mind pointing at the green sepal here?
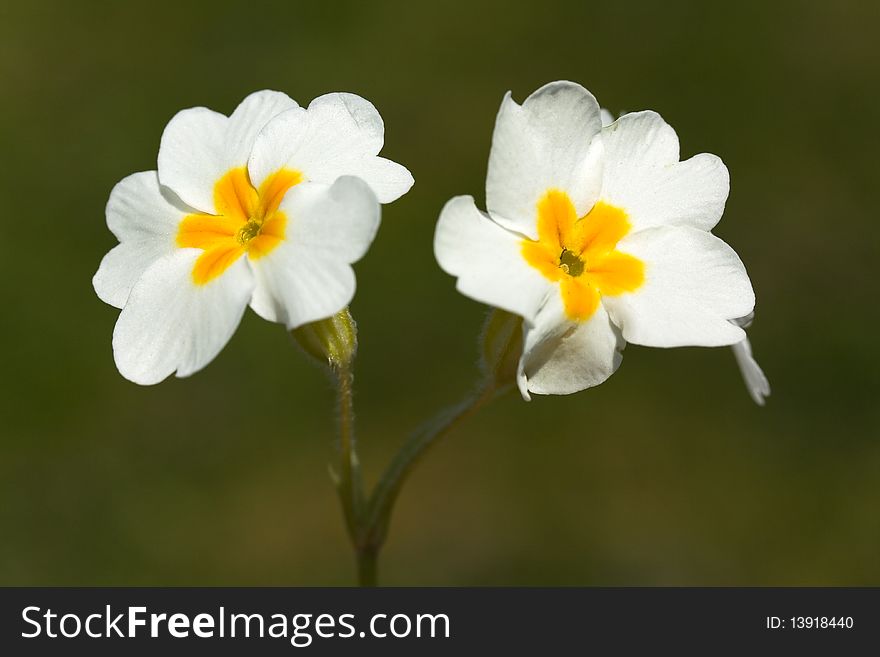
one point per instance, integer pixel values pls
(331, 341)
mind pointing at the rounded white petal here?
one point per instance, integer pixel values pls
(309, 276)
(487, 260)
(546, 143)
(694, 284)
(191, 155)
(388, 180)
(606, 116)
(171, 324)
(144, 218)
(561, 357)
(358, 121)
(644, 177)
(199, 145)
(121, 268)
(338, 134)
(251, 116)
(639, 139)
(277, 145)
(752, 374)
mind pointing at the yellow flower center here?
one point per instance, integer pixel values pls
(580, 253)
(247, 221)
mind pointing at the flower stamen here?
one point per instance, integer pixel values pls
(570, 263)
(248, 231)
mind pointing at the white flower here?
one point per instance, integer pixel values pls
(595, 236)
(267, 207)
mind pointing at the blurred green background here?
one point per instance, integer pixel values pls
(665, 475)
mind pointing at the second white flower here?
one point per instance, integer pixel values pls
(595, 236)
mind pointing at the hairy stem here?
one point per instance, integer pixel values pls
(333, 341)
(349, 479)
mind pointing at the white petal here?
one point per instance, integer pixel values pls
(278, 144)
(171, 324)
(644, 177)
(121, 268)
(561, 357)
(389, 180)
(639, 139)
(199, 145)
(251, 116)
(548, 142)
(191, 155)
(144, 218)
(752, 374)
(309, 276)
(339, 134)
(694, 283)
(606, 116)
(487, 260)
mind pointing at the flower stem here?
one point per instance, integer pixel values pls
(333, 341)
(351, 488)
(366, 563)
(349, 478)
(381, 504)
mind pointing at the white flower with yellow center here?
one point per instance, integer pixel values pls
(267, 207)
(595, 236)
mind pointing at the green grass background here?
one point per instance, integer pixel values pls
(665, 475)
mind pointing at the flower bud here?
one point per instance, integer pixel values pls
(502, 345)
(332, 341)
